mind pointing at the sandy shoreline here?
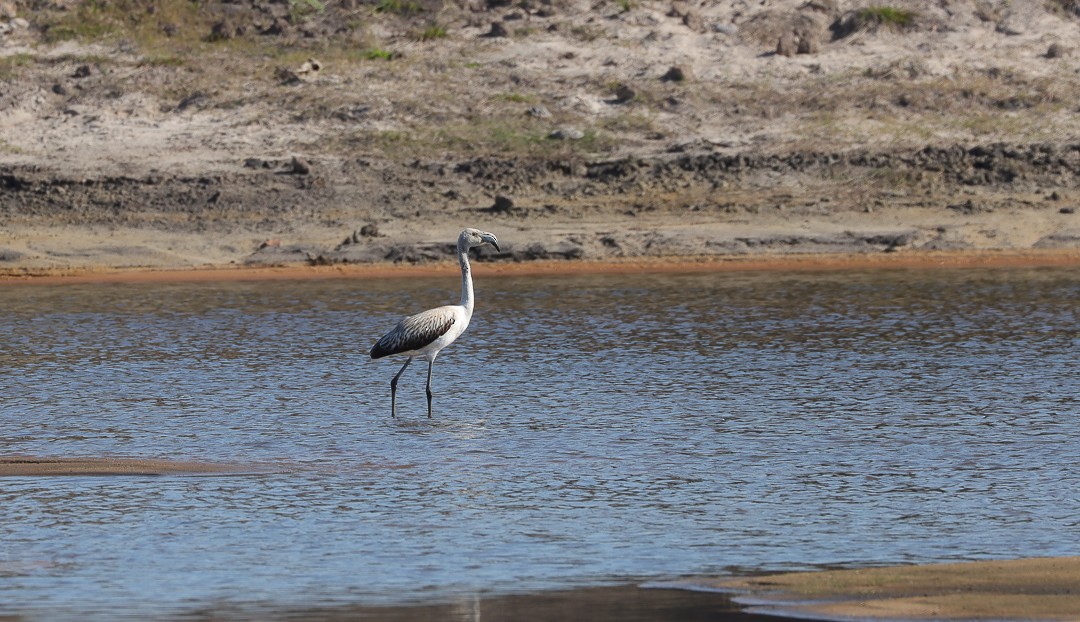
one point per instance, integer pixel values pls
(811, 262)
(1023, 589)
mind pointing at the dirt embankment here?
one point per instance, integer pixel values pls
(247, 134)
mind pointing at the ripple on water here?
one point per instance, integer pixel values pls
(586, 429)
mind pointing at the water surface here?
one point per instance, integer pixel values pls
(588, 430)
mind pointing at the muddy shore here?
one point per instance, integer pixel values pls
(646, 210)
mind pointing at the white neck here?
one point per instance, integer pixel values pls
(466, 276)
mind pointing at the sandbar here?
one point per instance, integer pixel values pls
(31, 466)
(1045, 588)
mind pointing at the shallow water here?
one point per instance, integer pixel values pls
(588, 430)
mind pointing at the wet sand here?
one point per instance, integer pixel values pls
(810, 262)
(621, 603)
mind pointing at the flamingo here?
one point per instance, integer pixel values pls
(428, 332)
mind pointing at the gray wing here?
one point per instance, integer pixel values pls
(413, 333)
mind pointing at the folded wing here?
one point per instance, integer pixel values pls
(414, 332)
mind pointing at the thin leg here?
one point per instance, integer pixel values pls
(430, 364)
(393, 388)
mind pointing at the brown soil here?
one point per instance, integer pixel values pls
(180, 135)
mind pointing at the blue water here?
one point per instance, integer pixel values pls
(588, 430)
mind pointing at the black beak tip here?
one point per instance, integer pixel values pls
(496, 245)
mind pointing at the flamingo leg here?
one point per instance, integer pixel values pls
(430, 364)
(393, 388)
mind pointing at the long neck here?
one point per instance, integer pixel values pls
(466, 277)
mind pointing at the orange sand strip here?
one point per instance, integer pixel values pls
(966, 259)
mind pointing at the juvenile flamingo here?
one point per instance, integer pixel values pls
(428, 332)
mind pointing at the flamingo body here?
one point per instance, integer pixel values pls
(425, 334)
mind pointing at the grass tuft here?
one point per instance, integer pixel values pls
(398, 7)
(432, 32)
(888, 16)
(9, 65)
(378, 54)
(302, 9)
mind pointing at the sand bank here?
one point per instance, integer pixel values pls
(1024, 589)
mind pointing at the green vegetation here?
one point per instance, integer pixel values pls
(183, 33)
(496, 136)
(9, 65)
(586, 33)
(378, 54)
(628, 123)
(89, 21)
(432, 31)
(139, 21)
(164, 60)
(510, 137)
(299, 9)
(6, 147)
(398, 7)
(888, 16)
